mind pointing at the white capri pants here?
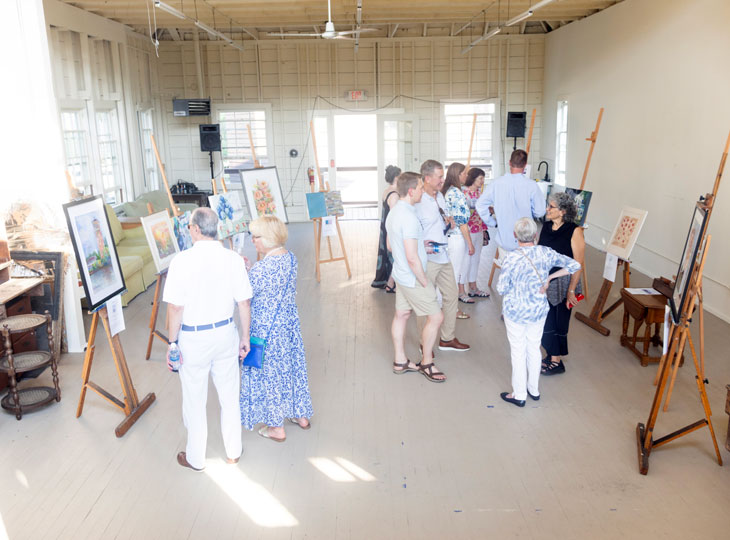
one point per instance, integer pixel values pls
(213, 351)
(471, 262)
(524, 342)
(457, 253)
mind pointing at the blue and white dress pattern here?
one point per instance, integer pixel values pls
(457, 206)
(519, 283)
(280, 389)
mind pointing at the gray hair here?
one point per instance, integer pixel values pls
(565, 203)
(206, 220)
(525, 230)
(429, 167)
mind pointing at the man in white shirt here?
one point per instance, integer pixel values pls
(414, 291)
(435, 223)
(203, 284)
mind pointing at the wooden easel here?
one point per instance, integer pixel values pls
(597, 313)
(529, 135)
(471, 141)
(131, 406)
(324, 187)
(256, 163)
(679, 334)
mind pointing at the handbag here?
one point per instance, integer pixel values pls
(485, 239)
(257, 353)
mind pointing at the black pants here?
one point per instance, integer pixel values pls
(555, 332)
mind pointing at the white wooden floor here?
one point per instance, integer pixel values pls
(388, 456)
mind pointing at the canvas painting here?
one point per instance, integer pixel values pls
(316, 205)
(161, 239)
(582, 199)
(263, 193)
(231, 217)
(180, 226)
(333, 200)
(687, 262)
(96, 254)
(626, 232)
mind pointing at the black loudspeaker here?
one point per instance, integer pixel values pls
(210, 137)
(516, 124)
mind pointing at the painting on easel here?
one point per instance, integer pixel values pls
(333, 201)
(686, 263)
(180, 226)
(96, 254)
(263, 193)
(582, 199)
(231, 218)
(161, 239)
(626, 232)
(316, 205)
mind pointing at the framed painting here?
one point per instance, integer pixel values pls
(626, 232)
(96, 254)
(161, 239)
(231, 217)
(180, 226)
(333, 201)
(687, 262)
(316, 205)
(582, 199)
(263, 193)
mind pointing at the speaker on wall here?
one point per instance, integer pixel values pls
(516, 124)
(210, 137)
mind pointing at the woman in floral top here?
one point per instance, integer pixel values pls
(473, 189)
(460, 244)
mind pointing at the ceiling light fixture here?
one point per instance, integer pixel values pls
(212, 31)
(519, 18)
(540, 4)
(493, 32)
(169, 9)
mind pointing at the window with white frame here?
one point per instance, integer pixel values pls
(75, 128)
(151, 175)
(459, 119)
(561, 142)
(235, 144)
(107, 135)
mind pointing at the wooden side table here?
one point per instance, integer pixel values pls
(648, 310)
(27, 399)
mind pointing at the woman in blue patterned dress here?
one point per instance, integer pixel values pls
(279, 391)
(523, 283)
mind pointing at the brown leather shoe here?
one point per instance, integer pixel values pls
(183, 460)
(453, 345)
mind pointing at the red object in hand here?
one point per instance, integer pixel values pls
(578, 298)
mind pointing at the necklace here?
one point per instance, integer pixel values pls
(272, 251)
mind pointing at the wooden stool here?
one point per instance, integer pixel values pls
(645, 309)
(495, 265)
(19, 401)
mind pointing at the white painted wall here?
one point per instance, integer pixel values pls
(289, 75)
(660, 69)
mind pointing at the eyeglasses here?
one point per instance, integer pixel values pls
(255, 236)
(552, 206)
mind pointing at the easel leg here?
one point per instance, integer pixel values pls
(130, 396)
(153, 316)
(494, 267)
(317, 240)
(342, 246)
(88, 359)
(675, 365)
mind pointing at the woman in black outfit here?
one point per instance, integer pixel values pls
(561, 234)
(383, 280)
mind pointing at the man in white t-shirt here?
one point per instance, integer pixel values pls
(414, 292)
(203, 285)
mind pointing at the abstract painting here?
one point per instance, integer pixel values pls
(689, 258)
(180, 226)
(231, 217)
(96, 254)
(582, 199)
(316, 206)
(333, 200)
(626, 232)
(161, 239)
(263, 193)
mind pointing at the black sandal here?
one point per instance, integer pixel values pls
(555, 368)
(431, 372)
(389, 289)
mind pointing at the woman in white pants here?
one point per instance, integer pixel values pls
(472, 189)
(460, 242)
(523, 283)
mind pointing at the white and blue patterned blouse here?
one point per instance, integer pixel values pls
(519, 282)
(457, 207)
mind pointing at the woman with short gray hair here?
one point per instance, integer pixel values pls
(561, 233)
(525, 276)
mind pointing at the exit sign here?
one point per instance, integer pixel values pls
(356, 95)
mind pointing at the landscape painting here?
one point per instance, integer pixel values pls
(161, 239)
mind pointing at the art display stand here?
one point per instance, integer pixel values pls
(132, 407)
(324, 187)
(529, 135)
(154, 333)
(678, 335)
(598, 313)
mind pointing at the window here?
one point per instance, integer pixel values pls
(458, 119)
(151, 178)
(235, 145)
(75, 140)
(107, 134)
(561, 142)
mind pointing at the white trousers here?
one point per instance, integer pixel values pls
(457, 249)
(524, 342)
(213, 351)
(471, 262)
(491, 250)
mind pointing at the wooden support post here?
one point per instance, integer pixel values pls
(471, 141)
(153, 317)
(175, 211)
(593, 138)
(597, 313)
(529, 136)
(253, 148)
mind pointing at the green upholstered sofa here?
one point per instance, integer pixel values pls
(135, 257)
(159, 201)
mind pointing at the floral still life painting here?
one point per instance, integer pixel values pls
(626, 232)
(231, 217)
(263, 193)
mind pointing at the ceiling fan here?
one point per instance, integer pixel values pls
(329, 30)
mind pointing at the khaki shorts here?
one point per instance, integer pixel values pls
(422, 300)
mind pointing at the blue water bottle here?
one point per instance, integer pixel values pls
(175, 357)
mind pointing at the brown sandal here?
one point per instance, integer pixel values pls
(430, 372)
(399, 369)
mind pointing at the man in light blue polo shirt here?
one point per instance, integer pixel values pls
(414, 291)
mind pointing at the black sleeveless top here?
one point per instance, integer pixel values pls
(558, 240)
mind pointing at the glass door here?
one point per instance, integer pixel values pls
(398, 144)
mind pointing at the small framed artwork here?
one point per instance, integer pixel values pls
(263, 193)
(231, 217)
(96, 254)
(582, 199)
(161, 239)
(626, 232)
(687, 262)
(180, 226)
